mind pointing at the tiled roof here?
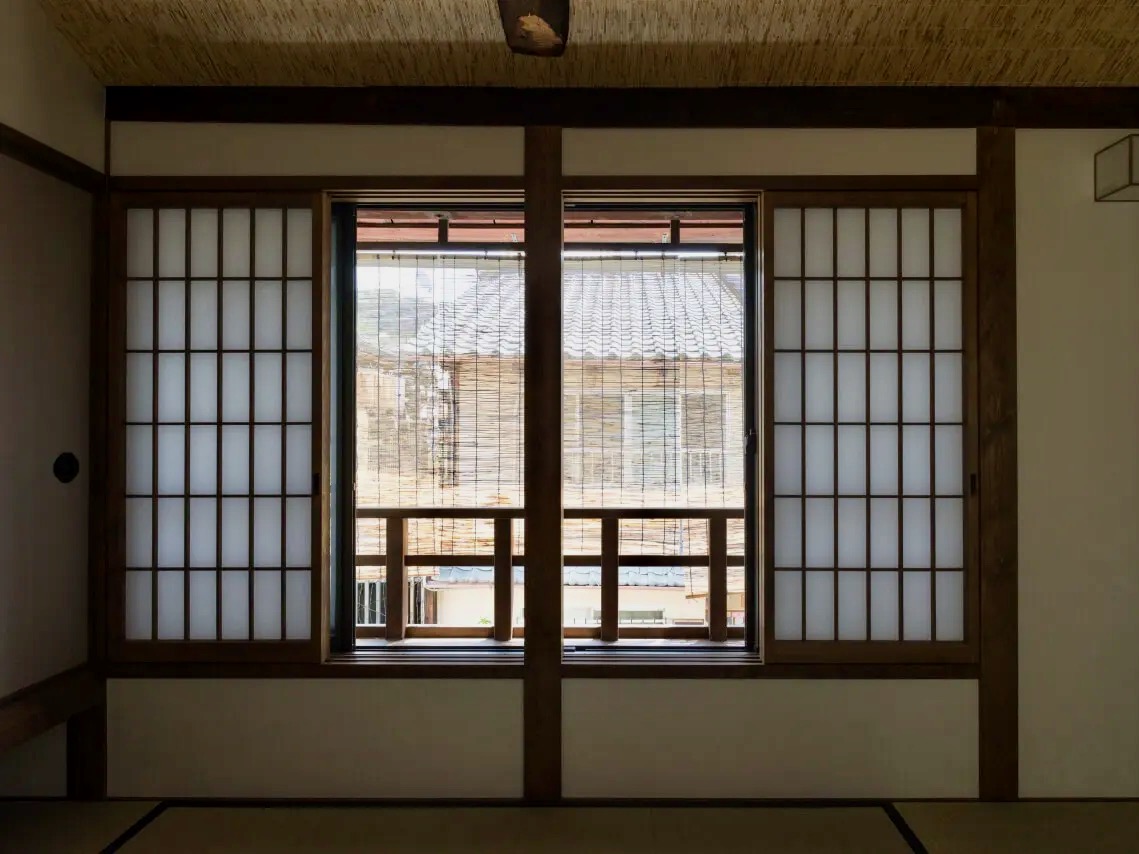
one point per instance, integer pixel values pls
(676, 310)
(575, 576)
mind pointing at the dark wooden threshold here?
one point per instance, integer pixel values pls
(738, 107)
(40, 707)
(32, 152)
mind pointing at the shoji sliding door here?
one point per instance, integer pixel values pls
(870, 350)
(218, 407)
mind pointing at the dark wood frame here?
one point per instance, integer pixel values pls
(119, 649)
(899, 651)
(741, 107)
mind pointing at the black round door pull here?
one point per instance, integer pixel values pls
(66, 467)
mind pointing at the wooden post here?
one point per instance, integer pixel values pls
(503, 579)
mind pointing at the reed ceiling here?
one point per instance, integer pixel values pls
(612, 42)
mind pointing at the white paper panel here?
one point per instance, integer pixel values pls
(820, 460)
(235, 247)
(171, 460)
(883, 387)
(171, 243)
(948, 401)
(852, 532)
(950, 520)
(140, 460)
(788, 532)
(267, 532)
(270, 243)
(915, 387)
(203, 387)
(203, 606)
(883, 315)
(818, 226)
(171, 315)
(299, 323)
(298, 532)
(203, 315)
(266, 605)
(851, 242)
(788, 606)
(140, 243)
(171, 532)
(915, 315)
(852, 460)
(883, 242)
(788, 247)
(787, 318)
(788, 462)
(820, 532)
(298, 460)
(171, 387)
(267, 387)
(851, 315)
(235, 605)
(235, 460)
(883, 606)
(235, 532)
(299, 238)
(140, 387)
(298, 406)
(298, 605)
(947, 315)
(915, 461)
(235, 315)
(916, 543)
(140, 315)
(138, 613)
(820, 387)
(883, 460)
(820, 606)
(267, 458)
(851, 387)
(950, 606)
(947, 243)
(235, 387)
(852, 606)
(171, 605)
(949, 460)
(915, 242)
(203, 532)
(917, 608)
(268, 305)
(883, 532)
(788, 390)
(204, 243)
(203, 460)
(138, 532)
(819, 305)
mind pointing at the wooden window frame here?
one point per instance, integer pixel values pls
(900, 651)
(154, 651)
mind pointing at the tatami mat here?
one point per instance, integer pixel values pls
(65, 827)
(1040, 828)
(508, 830)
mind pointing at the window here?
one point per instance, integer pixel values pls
(872, 438)
(858, 519)
(217, 408)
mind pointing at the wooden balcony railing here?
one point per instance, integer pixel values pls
(396, 561)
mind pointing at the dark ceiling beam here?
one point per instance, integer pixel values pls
(808, 106)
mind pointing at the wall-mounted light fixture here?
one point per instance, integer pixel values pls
(1117, 171)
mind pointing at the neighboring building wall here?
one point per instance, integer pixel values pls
(465, 606)
(1078, 454)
